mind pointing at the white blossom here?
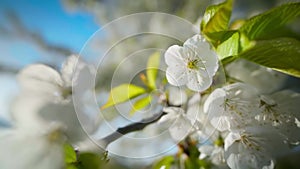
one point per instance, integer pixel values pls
(179, 125)
(41, 85)
(46, 82)
(194, 64)
(232, 106)
(214, 153)
(35, 148)
(254, 147)
(281, 110)
(44, 117)
(204, 130)
(176, 96)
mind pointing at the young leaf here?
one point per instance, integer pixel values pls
(71, 166)
(152, 67)
(165, 162)
(229, 47)
(70, 154)
(281, 54)
(216, 18)
(90, 161)
(123, 93)
(140, 104)
(262, 24)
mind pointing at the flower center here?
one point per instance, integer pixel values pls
(193, 64)
(66, 92)
(249, 142)
(55, 136)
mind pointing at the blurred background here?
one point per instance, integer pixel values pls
(34, 31)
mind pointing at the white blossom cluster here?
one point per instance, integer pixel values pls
(44, 119)
(245, 124)
(239, 125)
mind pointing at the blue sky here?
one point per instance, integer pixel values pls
(53, 22)
(47, 18)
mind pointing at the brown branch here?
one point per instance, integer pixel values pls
(131, 128)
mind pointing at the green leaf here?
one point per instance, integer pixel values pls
(123, 93)
(89, 161)
(191, 163)
(71, 166)
(165, 162)
(245, 43)
(152, 67)
(262, 24)
(230, 47)
(140, 104)
(281, 54)
(216, 18)
(70, 154)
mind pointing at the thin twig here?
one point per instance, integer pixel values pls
(131, 128)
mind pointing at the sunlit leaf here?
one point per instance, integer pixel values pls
(70, 154)
(71, 166)
(216, 18)
(230, 47)
(262, 24)
(140, 104)
(152, 68)
(90, 161)
(123, 93)
(165, 162)
(282, 54)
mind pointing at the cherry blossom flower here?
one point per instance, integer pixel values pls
(232, 106)
(254, 147)
(281, 111)
(44, 117)
(36, 148)
(45, 82)
(204, 130)
(214, 153)
(179, 125)
(194, 64)
(41, 85)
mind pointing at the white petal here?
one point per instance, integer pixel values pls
(288, 101)
(230, 139)
(203, 50)
(221, 123)
(65, 115)
(24, 149)
(40, 79)
(198, 81)
(176, 75)
(206, 149)
(214, 102)
(174, 56)
(172, 113)
(68, 69)
(180, 128)
(25, 109)
(177, 96)
(217, 156)
(194, 112)
(194, 40)
(247, 159)
(214, 107)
